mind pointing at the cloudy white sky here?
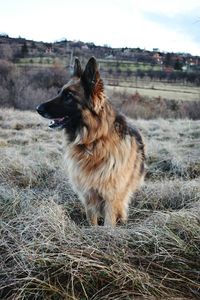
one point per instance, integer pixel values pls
(170, 25)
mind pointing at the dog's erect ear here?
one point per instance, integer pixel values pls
(91, 78)
(77, 68)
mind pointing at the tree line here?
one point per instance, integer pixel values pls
(186, 78)
(24, 88)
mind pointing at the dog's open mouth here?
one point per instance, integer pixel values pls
(58, 123)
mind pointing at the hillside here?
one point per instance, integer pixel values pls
(48, 251)
(124, 62)
(141, 83)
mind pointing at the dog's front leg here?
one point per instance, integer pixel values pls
(91, 217)
(110, 214)
(115, 211)
(91, 207)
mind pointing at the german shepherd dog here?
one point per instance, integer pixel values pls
(103, 151)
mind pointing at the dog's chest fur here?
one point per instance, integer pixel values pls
(106, 166)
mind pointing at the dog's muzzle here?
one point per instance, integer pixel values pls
(55, 122)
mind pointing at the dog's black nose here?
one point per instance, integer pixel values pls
(40, 109)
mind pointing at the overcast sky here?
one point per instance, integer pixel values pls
(170, 25)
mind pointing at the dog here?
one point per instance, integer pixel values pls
(103, 151)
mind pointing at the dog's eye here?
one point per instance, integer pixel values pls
(69, 97)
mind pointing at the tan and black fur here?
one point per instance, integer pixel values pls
(104, 153)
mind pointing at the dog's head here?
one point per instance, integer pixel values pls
(84, 92)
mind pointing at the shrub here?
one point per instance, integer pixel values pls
(25, 88)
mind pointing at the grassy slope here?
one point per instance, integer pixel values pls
(48, 251)
(152, 89)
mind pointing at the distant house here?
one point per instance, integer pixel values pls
(158, 57)
(48, 50)
(168, 69)
(84, 47)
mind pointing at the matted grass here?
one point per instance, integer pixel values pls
(48, 250)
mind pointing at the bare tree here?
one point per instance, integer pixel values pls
(6, 52)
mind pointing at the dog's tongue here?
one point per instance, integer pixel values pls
(56, 123)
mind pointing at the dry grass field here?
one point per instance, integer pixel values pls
(152, 89)
(47, 249)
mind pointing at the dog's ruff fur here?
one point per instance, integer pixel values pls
(103, 152)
